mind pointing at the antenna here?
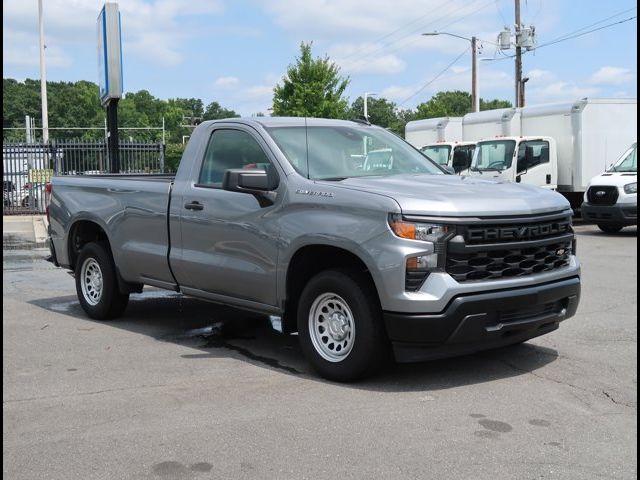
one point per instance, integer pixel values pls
(306, 140)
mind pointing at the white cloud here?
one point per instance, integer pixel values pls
(150, 28)
(397, 93)
(22, 50)
(258, 91)
(612, 76)
(561, 90)
(326, 19)
(226, 82)
(383, 64)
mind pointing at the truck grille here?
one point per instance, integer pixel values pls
(602, 195)
(493, 250)
(496, 264)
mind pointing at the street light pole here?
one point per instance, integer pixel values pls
(366, 109)
(475, 98)
(43, 78)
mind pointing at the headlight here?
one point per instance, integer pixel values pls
(631, 188)
(428, 232)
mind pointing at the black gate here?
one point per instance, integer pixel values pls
(27, 167)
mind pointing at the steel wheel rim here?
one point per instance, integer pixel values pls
(91, 281)
(332, 327)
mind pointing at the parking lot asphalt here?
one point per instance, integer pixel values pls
(184, 389)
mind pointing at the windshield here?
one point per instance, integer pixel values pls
(339, 152)
(437, 153)
(628, 162)
(493, 155)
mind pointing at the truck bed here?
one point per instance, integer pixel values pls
(133, 209)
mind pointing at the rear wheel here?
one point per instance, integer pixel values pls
(610, 228)
(340, 326)
(97, 284)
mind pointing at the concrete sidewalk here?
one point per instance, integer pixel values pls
(20, 231)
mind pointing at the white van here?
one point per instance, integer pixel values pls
(611, 200)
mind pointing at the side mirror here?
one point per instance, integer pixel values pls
(249, 181)
(519, 179)
(448, 170)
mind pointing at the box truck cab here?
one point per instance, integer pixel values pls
(611, 200)
(532, 160)
(457, 155)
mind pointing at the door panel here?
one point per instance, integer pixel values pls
(228, 245)
(534, 165)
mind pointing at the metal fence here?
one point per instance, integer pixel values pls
(27, 167)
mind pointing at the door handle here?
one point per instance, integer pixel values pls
(194, 206)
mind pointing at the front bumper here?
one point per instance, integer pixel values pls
(482, 321)
(619, 214)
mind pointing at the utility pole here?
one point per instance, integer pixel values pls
(518, 57)
(43, 78)
(475, 99)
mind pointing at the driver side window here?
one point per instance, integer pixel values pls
(230, 149)
(532, 154)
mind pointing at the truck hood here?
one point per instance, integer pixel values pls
(614, 179)
(453, 195)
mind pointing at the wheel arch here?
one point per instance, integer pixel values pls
(309, 260)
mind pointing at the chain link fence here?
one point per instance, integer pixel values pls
(27, 167)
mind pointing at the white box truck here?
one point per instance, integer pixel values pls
(491, 123)
(432, 130)
(559, 146)
(440, 139)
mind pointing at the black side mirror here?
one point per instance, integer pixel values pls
(448, 170)
(249, 181)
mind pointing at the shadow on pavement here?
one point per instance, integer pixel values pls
(216, 331)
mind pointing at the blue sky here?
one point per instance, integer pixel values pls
(234, 52)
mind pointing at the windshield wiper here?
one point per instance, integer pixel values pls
(333, 179)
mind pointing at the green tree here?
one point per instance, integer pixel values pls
(311, 88)
(381, 111)
(445, 104)
(454, 104)
(215, 111)
(494, 104)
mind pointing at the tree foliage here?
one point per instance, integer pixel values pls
(311, 88)
(454, 104)
(76, 104)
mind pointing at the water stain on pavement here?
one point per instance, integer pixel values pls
(215, 337)
(537, 422)
(173, 469)
(495, 425)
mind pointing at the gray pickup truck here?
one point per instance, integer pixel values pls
(352, 237)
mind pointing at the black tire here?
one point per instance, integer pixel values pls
(110, 303)
(610, 228)
(369, 350)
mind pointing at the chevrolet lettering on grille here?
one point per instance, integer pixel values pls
(526, 232)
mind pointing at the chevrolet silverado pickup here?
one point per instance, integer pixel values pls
(361, 255)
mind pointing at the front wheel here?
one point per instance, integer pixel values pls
(340, 326)
(610, 228)
(97, 284)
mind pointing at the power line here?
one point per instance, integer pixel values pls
(436, 77)
(571, 37)
(553, 42)
(594, 24)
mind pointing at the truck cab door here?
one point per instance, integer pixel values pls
(228, 246)
(537, 163)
